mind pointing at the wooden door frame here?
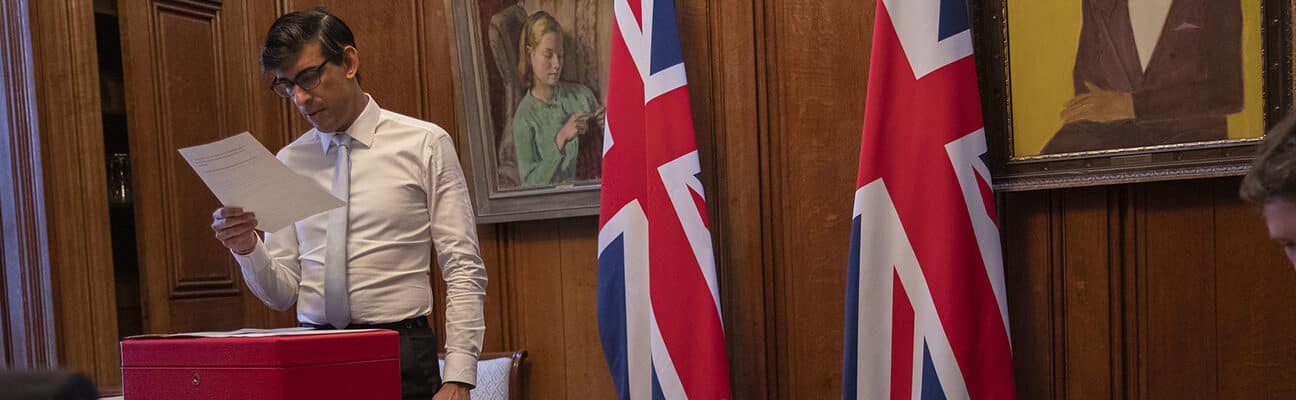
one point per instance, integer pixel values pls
(28, 323)
(59, 304)
(76, 199)
(59, 287)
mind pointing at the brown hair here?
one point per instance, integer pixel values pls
(535, 27)
(1273, 174)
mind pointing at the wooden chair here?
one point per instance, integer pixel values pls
(499, 375)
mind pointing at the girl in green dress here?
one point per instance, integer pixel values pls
(554, 115)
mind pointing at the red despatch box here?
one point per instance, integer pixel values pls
(344, 365)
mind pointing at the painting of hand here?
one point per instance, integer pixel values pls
(1099, 105)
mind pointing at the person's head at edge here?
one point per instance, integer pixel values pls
(541, 48)
(313, 60)
(1271, 184)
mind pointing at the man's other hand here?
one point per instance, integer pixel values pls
(452, 391)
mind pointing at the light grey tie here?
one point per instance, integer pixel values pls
(337, 298)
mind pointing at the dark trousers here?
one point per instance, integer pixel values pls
(420, 374)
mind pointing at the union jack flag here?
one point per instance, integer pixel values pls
(658, 304)
(926, 316)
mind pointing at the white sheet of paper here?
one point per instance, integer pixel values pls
(242, 173)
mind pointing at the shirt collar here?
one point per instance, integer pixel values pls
(557, 93)
(362, 130)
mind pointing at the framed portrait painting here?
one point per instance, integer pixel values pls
(1091, 92)
(530, 80)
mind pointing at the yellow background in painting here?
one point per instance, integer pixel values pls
(1043, 36)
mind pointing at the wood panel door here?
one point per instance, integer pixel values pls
(190, 78)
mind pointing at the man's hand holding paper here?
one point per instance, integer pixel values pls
(257, 190)
(235, 228)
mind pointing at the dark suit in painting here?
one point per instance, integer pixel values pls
(1193, 80)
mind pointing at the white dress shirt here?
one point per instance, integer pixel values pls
(1148, 18)
(408, 197)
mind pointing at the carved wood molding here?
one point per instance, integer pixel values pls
(72, 151)
(183, 281)
(731, 149)
(29, 313)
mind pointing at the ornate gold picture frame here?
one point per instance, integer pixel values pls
(1094, 92)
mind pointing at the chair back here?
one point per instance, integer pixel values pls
(498, 375)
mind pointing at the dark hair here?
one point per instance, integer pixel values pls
(1273, 174)
(293, 30)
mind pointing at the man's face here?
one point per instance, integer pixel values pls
(327, 104)
(1280, 217)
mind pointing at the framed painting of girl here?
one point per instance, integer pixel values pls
(530, 77)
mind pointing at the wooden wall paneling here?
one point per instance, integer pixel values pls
(387, 36)
(694, 26)
(1125, 291)
(269, 113)
(1150, 306)
(770, 186)
(186, 81)
(535, 263)
(1028, 223)
(719, 53)
(1177, 288)
(734, 193)
(270, 116)
(1085, 294)
(27, 330)
(511, 301)
(66, 71)
(763, 50)
(438, 82)
(813, 73)
(1117, 256)
(1056, 304)
(497, 293)
(288, 116)
(1254, 286)
(1132, 333)
(587, 375)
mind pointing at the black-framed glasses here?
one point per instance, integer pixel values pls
(306, 80)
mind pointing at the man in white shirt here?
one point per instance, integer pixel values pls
(365, 265)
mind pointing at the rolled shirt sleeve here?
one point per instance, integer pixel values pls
(271, 270)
